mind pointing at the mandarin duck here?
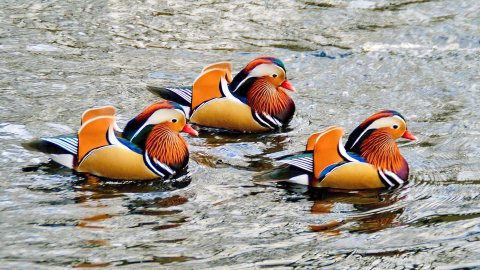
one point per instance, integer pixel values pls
(370, 158)
(255, 100)
(149, 147)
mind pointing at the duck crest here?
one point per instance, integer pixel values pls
(380, 150)
(264, 60)
(145, 114)
(166, 146)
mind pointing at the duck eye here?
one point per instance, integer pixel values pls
(174, 120)
(395, 126)
(274, 75)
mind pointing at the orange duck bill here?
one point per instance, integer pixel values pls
(189, 130)
(409, 136)
(288, 86)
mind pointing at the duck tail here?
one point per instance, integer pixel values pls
(283, 173)
(180, 95)
(61, 149)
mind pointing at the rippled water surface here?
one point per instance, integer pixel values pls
(348, 59)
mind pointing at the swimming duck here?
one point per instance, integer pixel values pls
(369, 159)
(255, 100)
(149, 147)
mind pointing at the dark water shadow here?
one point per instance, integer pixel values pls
(161, 260)
(396, 6)
(48, 168)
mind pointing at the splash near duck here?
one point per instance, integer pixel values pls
(149, 147)
(255, 100)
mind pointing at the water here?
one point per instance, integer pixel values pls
(348, 59)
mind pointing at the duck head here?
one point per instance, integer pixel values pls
(374, 139)
(166, 113)
(156, 130)
(270, 69)
(264, 84)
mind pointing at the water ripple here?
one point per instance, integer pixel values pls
(348, 59)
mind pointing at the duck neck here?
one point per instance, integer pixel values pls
(167, 146)
(380, 150)
(266, 98)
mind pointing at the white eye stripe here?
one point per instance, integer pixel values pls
(382, 122)
(260, 71)
(159, 116)
(264, 69)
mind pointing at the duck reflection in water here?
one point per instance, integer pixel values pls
(96, 192)
(147, 198)
(143, 200)
(372, 210)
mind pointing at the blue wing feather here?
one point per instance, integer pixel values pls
(135, 148)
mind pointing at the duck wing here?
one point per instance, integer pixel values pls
(326, 150)
(227, 66)
(101, 111)
(206, 82)
(211, 84)
(95, 133)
